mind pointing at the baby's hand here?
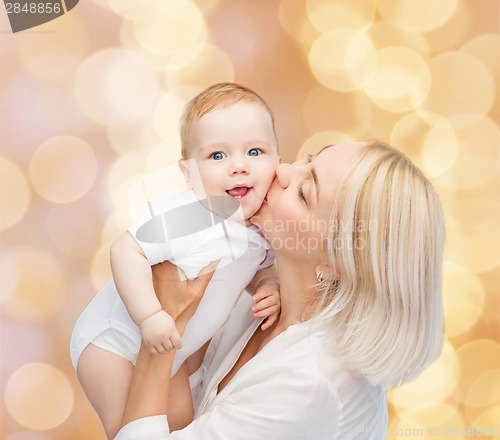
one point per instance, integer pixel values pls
(159, 333)
(267, 303)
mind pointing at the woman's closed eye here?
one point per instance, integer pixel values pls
(300, 193)
(300, 188)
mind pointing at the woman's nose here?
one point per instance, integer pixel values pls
(283, 172)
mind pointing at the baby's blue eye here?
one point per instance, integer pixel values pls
(254, 152)
(218, 155)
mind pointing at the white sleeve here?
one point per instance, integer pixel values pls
(269, 260)
(291, 406)
(154, 252)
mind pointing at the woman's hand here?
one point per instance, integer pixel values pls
(149, 390)
(178, 296)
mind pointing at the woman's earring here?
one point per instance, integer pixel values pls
(319, 276)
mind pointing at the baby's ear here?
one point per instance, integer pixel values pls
(185, 170)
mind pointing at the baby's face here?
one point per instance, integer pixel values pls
(234, 150)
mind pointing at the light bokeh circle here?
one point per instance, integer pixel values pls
(124, 172)
(482, 47)
(477, 358)
(384, 34)
(133, 107)
(428, 139)
(485, 390)
(421, 16)
(326, 110)
(435, 384)
(168, 112)
(74, 228)
(421, 421)
(488, 418)
(8, 269)
(15, 194)
(205, 67)
(440, 147)
(39, 284)
(452, 74)
(129, 42)
(109, 75)
(100, 270)
(63, 169)
(172, 29)
(473, 233)
(39, 396)
(295, 23)
(141, 11)
(478, 153)
(463, 299)
(54, 58)
(343, 59)
(330, 14)
(402, 80)
(162, 155)
(451, 34)
(110, 231)
(35, 340)
(131, 126)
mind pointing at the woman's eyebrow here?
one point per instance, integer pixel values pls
(313, 171)
(324, 148)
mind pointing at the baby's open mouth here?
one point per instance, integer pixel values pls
(238, 192)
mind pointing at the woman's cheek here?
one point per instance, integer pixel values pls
(289, 210)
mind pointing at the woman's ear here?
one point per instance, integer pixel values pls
(185, 171)
(324, 271)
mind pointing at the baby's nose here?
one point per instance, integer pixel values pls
(238, 165)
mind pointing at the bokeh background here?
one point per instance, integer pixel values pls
(90, 103)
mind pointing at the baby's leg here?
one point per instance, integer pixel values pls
(105, 378)
(180, 403)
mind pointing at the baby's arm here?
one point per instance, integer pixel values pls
(265, 291)
(133, 279)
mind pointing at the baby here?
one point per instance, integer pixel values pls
(229, 157)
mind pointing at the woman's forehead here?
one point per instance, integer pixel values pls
(330, 164)
(338, 155)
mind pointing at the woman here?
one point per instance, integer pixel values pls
(358, 233)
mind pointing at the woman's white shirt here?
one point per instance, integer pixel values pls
(296, 387)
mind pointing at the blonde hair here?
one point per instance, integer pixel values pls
(220, 95)
(385, 243)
